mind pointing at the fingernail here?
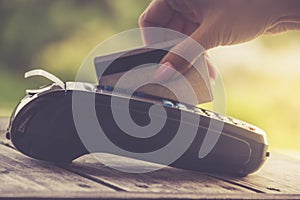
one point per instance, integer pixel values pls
(211, 69)
(212, 73)
(164, 73)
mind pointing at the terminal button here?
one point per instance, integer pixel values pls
(167, 103)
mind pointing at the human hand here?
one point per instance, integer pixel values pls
(215, 23)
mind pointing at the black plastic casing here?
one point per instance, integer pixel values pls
(42, 127)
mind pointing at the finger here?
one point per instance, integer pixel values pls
(211, 69)
(283, 27)
(181, 24)
(184, 53)
(158, 14)
(177, 22)
(165, 72)
(178, 59)
(189, 28)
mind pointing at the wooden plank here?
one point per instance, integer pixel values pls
(3, 123)
(280, 175)
(164, 180)
(293, 154)
(3, 127)
(22, 174)
(139, 195)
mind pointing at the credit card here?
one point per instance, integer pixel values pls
(132, 71)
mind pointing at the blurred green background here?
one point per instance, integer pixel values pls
(261, 77)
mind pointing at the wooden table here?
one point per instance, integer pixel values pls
(24, 178)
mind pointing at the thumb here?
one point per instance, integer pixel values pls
(181, 57)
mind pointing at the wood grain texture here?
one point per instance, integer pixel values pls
(139, 195)
(279, 175)
(4, 121)
(19, 173)
(165, 180)
(3, 124)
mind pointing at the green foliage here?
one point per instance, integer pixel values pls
(269, 102)
(35, 32)
(55, 35)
